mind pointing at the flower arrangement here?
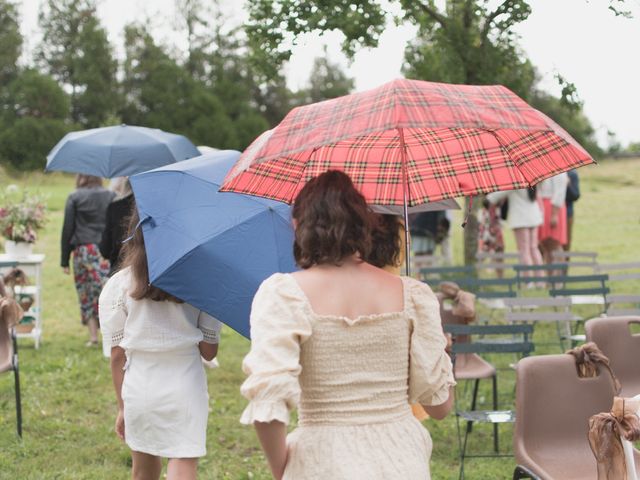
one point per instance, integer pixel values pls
(21, 216)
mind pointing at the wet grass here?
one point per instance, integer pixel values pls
(68, 402)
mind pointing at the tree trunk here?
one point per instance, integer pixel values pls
(471, 231)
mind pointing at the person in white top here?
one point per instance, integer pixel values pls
(349, 344)
(524, 218)
(156, 343)
(553, 232)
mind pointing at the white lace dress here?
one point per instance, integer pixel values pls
(352, 381)
(165, 388)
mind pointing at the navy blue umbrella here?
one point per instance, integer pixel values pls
(211, 249)
(118, 151)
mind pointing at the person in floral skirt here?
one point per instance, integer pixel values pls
(490, 238)
(84, 220)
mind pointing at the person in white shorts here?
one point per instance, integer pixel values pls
(156, 343)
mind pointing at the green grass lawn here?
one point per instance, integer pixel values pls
(69, 406)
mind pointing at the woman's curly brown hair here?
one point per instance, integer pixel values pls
(333, 221)
(386, 242)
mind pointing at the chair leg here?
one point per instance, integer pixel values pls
(474, 400)
(520, 473)
(561, 335)
(463, 454)
(16, 374)
(496, 444)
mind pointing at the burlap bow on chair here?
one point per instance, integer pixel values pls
(588, 357)
(10, 312)
(606, 429)
(463, 302)
(605, 433)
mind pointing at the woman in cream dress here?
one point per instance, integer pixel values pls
(350, 345)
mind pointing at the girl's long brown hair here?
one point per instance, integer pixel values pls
(134, 255)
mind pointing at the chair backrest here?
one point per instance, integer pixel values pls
(583, 260)
(489, 287)
(546, 269)
(10, 314)
(553, 406)
(623, 305)
(497, 256)
(613, 336)
(453, 273)
(487, 345)
(538, 309)
(620, 271)
(574, 285)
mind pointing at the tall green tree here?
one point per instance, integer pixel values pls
(76, 51)
(160, 93)
(35, 116)
(458, 41)
(11, 41)
(469, 43)
(327, 80)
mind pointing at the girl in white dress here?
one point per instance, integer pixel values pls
(350, 345)
(156, 344)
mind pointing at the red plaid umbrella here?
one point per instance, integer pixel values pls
(410, 141)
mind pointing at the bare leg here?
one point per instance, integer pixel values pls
(145, 466)
(182, 469)
(522, 240)
(93, 330)
(547, 246)
(534, 251)
(567, 247)
(522, 244)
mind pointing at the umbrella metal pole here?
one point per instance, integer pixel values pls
(405, 209)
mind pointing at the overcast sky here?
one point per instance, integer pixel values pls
(580, 39)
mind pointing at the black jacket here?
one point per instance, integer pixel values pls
(115, 230)
(84, 219)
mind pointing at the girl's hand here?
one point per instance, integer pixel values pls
(120, 425)
(554, 220)
(65, 270)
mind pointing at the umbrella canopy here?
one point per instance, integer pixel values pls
(211, 249)
(448, 204)
(410, 141)
(118, 151)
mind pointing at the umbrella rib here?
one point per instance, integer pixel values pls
(506, 152)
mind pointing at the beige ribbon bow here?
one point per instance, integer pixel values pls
(463, 302)
(605, 431)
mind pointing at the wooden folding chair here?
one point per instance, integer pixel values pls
(495, 416)
(542, 309)
(587, 260)
(620, 304)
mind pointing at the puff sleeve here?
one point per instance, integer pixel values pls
(430, 369)
(112, 311)
(210, 328)
(278, 327)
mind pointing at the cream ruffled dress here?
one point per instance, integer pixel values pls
(351, 379)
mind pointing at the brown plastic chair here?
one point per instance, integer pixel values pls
(613, 336)
(553, 409)
(10, 314)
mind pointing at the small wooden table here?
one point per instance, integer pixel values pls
(32, 266)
